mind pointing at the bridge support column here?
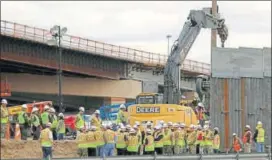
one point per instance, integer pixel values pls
(114, 100)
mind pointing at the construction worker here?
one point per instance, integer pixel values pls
(200, 113)
(109, 138)
(139, 134)
(149, 143)
(35, 121)
(54, 120)
(79, 119)
(170, 126)
(132, 143)
(208, 137)
(98, 134)
(45, 116)
(247, 139)
(149, 126)
(158, 139)
(121, 118)
(46, 140)
(236, 143)
(121, 143)
(4, 117)
(167, 140)
(60, 128)
(191, 139)
(199, 140)
(259, 137)
(96, 120)
(179, 139)
(82, 143)
(91, 142)
(216, 140)
(24, 122)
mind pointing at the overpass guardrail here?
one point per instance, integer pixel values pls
(82, 44)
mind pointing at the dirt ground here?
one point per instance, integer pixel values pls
(12, 149)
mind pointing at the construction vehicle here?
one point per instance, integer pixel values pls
(14, 110)
(155, 107)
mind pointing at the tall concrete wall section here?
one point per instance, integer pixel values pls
(239, 99)
(267, 62)
(74, 86)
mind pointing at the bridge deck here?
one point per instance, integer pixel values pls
(94, 47)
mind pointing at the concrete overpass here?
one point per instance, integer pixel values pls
(24, 49)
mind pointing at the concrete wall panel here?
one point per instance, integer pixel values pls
(267, 62)
(73, 86)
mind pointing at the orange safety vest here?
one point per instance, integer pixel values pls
(200, 115)
(236, 145)
(245, 138)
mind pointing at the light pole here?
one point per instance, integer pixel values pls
(57, 32)
(168, 37)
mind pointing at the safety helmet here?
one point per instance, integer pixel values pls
(128, 126)
(135, 126)
(234, 134)
(123, 127)
(137, 123)
(205, 127)
(182, 125)
(4, 101)
(97, 112)
(93, 127)
(216, 128)
(157, 127)
(122, 106)
(61, 115)
(132, 131)
(161, 121)
(200, 104)
(34, 109)
(24, 106)
(148, 131)
(199, 127)
(164, 125)
(46, 107)
(259, 122)
(248, 126)
(82, 109)
(48, 124)
(52, 110)
(170, 123)
(148, 123)
(175, 125)
(191, 126)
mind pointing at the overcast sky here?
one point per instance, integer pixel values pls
(144, 25)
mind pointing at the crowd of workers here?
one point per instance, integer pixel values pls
(119, 138)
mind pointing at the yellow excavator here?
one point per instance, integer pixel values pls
(155, 107)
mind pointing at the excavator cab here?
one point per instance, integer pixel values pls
(149, 98)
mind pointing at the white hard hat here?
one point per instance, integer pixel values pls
(199, 127)
(200, 104)
(205, 127)
(132, 131)
(234, 134)
(164, 125)
(216, 128)
(24, 106)
(61, 115)
(135, 126)
(170, 123)
(148, 123)
(123, 127)
(48, 124)
(4, 101)
(175, 125)
(52, 110)
(82, 109)
(191, 126)
(34, 109)
(120, 124)
(207, 122)
(148, 131)
(122, 106)
(128, 126)
(97, 112)
(161, 121)
(46, 107)
(157, 127)
(182, 125)
(259, 122)
(137, 123)
(248, 126)
(93, 127)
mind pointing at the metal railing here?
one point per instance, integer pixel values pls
(82, 44)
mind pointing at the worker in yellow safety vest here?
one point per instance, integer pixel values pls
(170, 126)
(216, 141)
(46, 140)
(45, 116)
(98, 134)
(54, 120)
(80, 123)
(60, 128)
(82, 143)
(91, 141)
(259, 137)
(179, 135)
(167, 140)
(4, 117)
(121, 118)
(208, 138)
(149, 126)
(191, 138)
(35, 122)
(110, 140)
(158, 139)
(121, 143)
(96, 120)
(139, 134)
(199, 140)
(24, 122)
(132, 142)
(149, 143)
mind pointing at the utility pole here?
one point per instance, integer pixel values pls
(214, 31)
